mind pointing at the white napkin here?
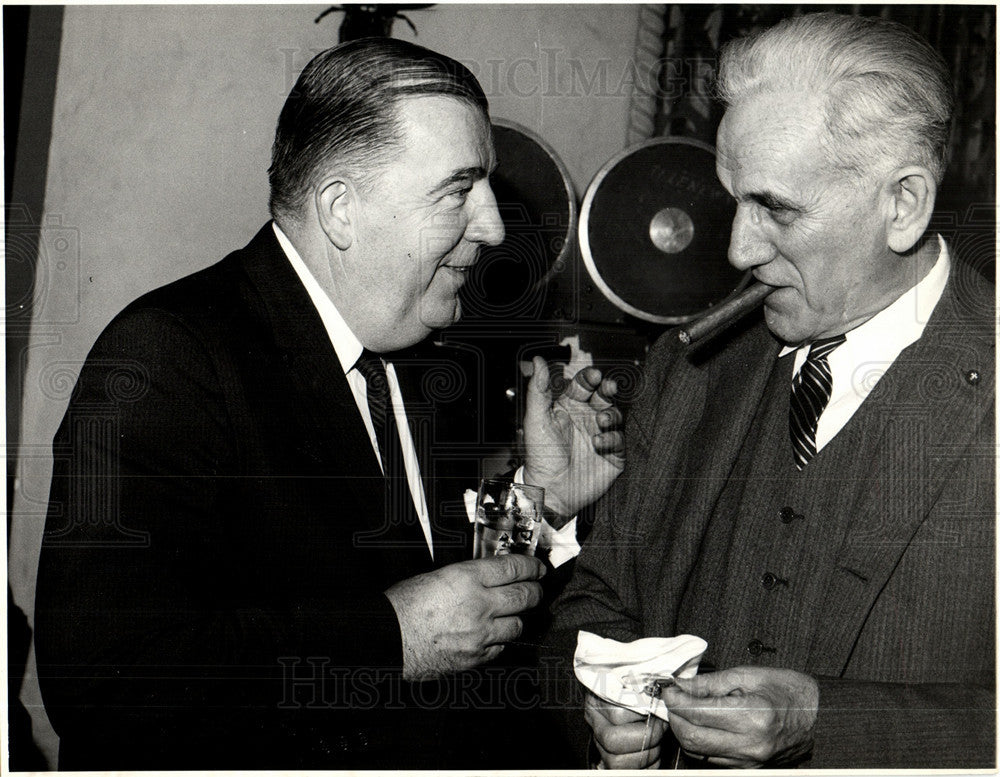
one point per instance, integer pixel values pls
(618, 671)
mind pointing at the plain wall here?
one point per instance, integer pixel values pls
(162, 127)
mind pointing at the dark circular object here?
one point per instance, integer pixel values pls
(537, 203)
(654, 231)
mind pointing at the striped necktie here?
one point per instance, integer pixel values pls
(810, 395)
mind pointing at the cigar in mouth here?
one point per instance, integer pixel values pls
(725, 314)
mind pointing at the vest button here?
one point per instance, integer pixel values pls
(769, 580)
(787, 514)
(755, 647)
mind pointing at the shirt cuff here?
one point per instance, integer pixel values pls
(562, 544)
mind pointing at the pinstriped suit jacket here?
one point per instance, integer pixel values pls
(905, 651)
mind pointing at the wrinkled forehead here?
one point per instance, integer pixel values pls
(771, 127)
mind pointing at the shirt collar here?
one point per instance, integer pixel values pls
(901, 323)
(344, 341)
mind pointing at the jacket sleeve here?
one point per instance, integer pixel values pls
(899, 725)
(603, 594)
(136, 618)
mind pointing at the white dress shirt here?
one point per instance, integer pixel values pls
(348, 349)
(869, 351)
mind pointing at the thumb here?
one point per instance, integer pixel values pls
(539, 397)
(721, 683)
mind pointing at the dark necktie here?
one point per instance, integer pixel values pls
(810, 395)
(400, 510)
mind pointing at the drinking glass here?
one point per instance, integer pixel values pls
(508, 518)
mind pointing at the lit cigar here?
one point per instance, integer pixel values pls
(725, 314)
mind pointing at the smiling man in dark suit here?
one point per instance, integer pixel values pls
(256, 554)
(813, 493)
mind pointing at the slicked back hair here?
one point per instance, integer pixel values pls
(889, 99)
(342, 110)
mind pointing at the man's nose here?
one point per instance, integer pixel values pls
(485, 224)
(748, 245)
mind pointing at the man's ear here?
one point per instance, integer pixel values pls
(912, 192)
(335, 206)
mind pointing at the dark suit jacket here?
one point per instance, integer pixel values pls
(904, 649)
(217, 542)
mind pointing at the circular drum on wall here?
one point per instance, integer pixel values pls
(654, 231)
(537, 203)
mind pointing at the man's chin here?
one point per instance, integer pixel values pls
(443, 316)
(784, 326)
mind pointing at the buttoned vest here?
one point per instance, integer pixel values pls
(772, 540)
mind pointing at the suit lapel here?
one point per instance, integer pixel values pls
(737, 379)
(332, 432)
(729, 381)
(921, 414)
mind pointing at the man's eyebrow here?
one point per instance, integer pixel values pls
(772, 201)
(460, 176)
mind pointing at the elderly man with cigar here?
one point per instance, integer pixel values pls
(813, 493)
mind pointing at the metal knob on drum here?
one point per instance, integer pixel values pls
(654, 231)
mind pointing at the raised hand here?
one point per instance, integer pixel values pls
(460, 616)
(744, 717)
(574, 444)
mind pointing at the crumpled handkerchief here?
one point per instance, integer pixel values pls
(618, 671)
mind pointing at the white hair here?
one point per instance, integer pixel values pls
(888, 93)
